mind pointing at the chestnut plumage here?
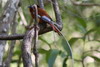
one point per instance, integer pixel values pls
(43, 17)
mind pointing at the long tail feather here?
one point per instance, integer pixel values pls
(59, 32)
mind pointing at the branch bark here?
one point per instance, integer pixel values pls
(12, 37)
(21, 36)
(40, 2)
(35, 51)
(57, 14)
(26, 48)
(36, 30)
(11, 47)
(6, 19)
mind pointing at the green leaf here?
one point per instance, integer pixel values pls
(45, 41)
(17, 52)
(48, 55)
(96, 18)
(95, 58)
(81, 21)
(52, 57)
(62, 54)
(46, 52)
(73, 40)
(64, 62)
(82, 28)
(91, 30)
(43, 51)
(66, 46)
(19, 19)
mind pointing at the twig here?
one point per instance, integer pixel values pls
(83, 65)
(57, 14)
(21, 36)
(20, 11)
(84, 4)
(35, 45)
(36, 29)
(12, 37)
(19, 61)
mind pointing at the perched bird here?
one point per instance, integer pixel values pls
(43, 17)
(46, 19)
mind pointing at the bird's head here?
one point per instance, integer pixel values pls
(33, 7)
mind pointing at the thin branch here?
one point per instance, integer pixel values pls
(36, 29)
(19, 61)
(12, 37)
(21, 36)
(20, 11)
(40, 2)
(84, 4)
(35, 46)
(57, 14)
(83, 65)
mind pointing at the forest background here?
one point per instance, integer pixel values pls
(81, 27)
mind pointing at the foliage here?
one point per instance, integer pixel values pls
(81, 29)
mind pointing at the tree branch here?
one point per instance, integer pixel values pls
(57, 14)
(84, 4)
(20, 12)
(36, 29)
(26, 48)
(11, 47)
(5, 21)
(12, 37)
(40, 2)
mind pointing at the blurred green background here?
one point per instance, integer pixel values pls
(81, 27)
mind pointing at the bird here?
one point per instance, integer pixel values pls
(43, 17)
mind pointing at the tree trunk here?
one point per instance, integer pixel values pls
(6, 19)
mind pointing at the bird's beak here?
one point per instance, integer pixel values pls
(29, 6)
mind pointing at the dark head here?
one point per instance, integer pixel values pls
(32, 6)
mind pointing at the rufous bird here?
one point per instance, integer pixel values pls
(46, 19)
(43, 17)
